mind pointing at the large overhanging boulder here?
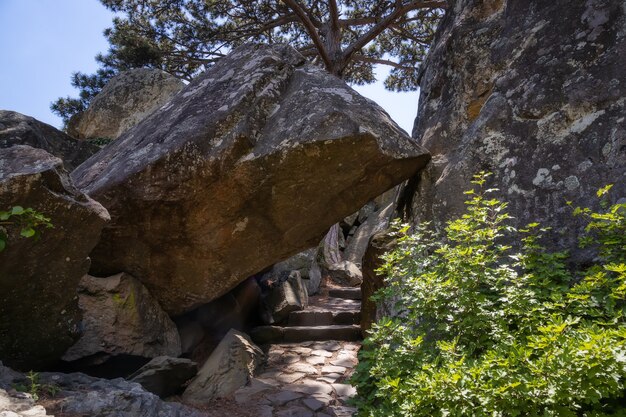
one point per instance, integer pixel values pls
(249, 164)
(38, 277)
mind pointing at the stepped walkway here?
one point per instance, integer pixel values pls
(309, 359)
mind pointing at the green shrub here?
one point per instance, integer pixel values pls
(35, 388)
(28, 221)
(486, 330)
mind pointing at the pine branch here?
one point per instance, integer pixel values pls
(363, 58)
(295, 6)
(400, 10)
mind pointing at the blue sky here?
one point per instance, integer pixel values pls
(44, 41)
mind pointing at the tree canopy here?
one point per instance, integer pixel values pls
(184, 37)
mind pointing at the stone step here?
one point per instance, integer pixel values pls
(350, 293)
(323, 318)
(296, 334)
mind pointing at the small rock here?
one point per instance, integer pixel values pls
(323, 353)
(303, 367)
(328, 378)
(230, 366)
(328, 346)
(331, 369)
(243, 395)
(164, 376)
(311, 387)
(347, 361)
(289, 378)
(341, 411)
(284, 397)
(344, 391)
(313, 404)
(316, 360)
(346, 273)
(294, 412)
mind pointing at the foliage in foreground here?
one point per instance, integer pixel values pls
(28, 221)
(487, 331)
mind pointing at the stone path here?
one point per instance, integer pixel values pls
(307, 378)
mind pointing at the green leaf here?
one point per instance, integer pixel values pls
(28, 232)
(604, 190)
(17, 210)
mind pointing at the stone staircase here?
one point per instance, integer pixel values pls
(310, 358)
(334, 315)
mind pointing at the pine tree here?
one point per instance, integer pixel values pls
(184, 37)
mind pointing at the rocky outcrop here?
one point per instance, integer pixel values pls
(305, 263)
(345, 273)
(81, 395)
(372, 311)
(532, 91)
(165, 376)
(285, 294)
(120, 317)
(19, 404)
(374, 217)
(18, 129)
(38, 277)
(125, 100)
(229, 368)
(248, 165)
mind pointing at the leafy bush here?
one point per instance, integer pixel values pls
(486, 330)
(28, 221)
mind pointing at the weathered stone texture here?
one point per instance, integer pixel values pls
(82, 395)
(533, 91)
(125, 100)
(164, 375)
(38, 278)
(380, 243)
(18, 129)
(121, 317)
(287, 293)
(230, 367)
(248, 165)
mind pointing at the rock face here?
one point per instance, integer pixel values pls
(248, 165)
(374, 217)
(82, 395)
(121, 317)
(38, 278)
(165, 376)
(229, 368)
(19, 404)
(288, 293)
(345, 273)
(123, 102)
(532, 91)
(371, 311)
(305, 263)
(18, 129)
